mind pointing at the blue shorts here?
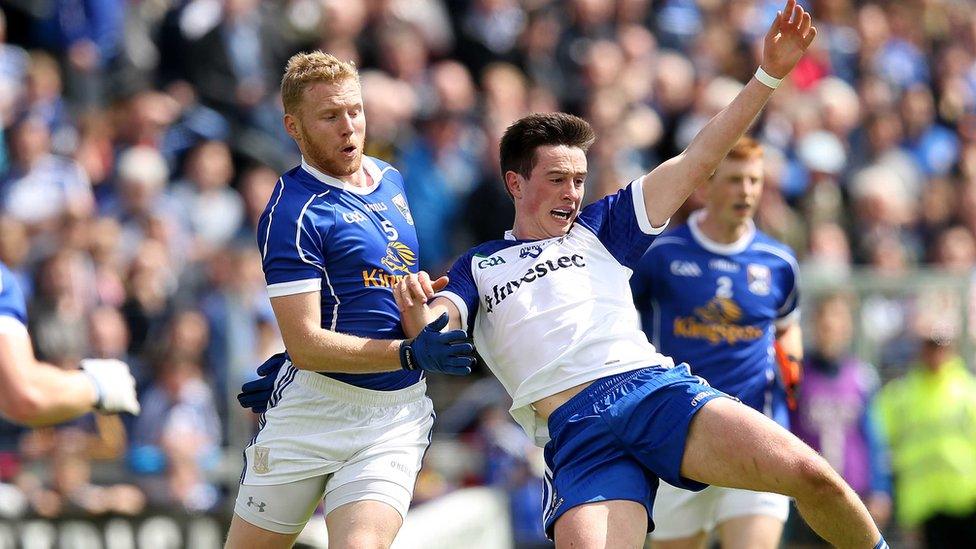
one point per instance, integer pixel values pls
(617, 437)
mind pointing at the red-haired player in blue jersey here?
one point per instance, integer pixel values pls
(721, 295)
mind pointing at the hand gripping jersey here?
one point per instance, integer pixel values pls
(351, 244)
(547, 315)
(716, 307)
(13, 309)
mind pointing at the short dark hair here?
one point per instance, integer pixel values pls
(521, 139)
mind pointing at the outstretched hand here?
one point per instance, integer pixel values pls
(788, 38)
(411, 295)
(415, 289)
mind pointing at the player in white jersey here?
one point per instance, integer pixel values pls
(347, 421)
(551, 313)
(34, 393)
(721, 295)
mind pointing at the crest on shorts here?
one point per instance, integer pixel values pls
(261, 460)
(401, 206)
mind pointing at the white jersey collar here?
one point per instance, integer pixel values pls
(371, 168)
(732, 248)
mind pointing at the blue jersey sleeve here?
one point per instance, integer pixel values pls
(642, 286)
(12, 302)
(620, 222)
(292, 241)
(462, 291)
(791, 289)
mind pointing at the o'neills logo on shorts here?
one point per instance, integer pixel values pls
(537, 271)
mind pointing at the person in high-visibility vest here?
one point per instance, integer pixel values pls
(929, 420)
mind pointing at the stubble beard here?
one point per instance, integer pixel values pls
(336, 167)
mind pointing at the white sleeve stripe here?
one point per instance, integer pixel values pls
(640, 211)
(664, 240)
(301, 255)
(782, 254)
(791, 261)
(790, 300)
(335, 308)
(295, 287)
(267, 234)
(12, 325)
(298, 232)
(460, 304)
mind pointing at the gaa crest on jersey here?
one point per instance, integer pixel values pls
(399, 258)
(401, 206)
(485, 262)
(760, 278)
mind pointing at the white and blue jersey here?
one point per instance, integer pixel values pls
(351, 244)
(13, 308)
(550, 314)
(716, 307)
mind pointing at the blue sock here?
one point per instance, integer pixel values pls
(882, 544)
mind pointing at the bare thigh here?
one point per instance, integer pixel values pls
(617, 524)
(730, 444)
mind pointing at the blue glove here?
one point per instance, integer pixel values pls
(446, 353)
(256, 394)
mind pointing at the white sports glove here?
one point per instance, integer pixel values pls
(114, 385)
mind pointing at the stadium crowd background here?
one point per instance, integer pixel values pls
(142, 139)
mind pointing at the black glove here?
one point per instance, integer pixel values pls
(435, 351)
(256, 394)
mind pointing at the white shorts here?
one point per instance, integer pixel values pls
(681, 513)
(324, 437)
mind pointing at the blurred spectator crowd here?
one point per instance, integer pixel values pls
(141, 140)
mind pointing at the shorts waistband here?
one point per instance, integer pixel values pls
(357, 395)
(596, 389)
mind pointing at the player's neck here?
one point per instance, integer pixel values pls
(719, 231)
(359, 178)
(526, 230)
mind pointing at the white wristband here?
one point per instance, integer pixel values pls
(766, 79)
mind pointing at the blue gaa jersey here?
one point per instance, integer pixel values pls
(12, 305)
(352, 245)
(550, 314)
(716, 307)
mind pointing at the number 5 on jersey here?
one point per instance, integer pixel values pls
(390, 230)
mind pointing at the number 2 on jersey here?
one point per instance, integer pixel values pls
(724, 289)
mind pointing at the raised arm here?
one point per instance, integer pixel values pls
(670, 184)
